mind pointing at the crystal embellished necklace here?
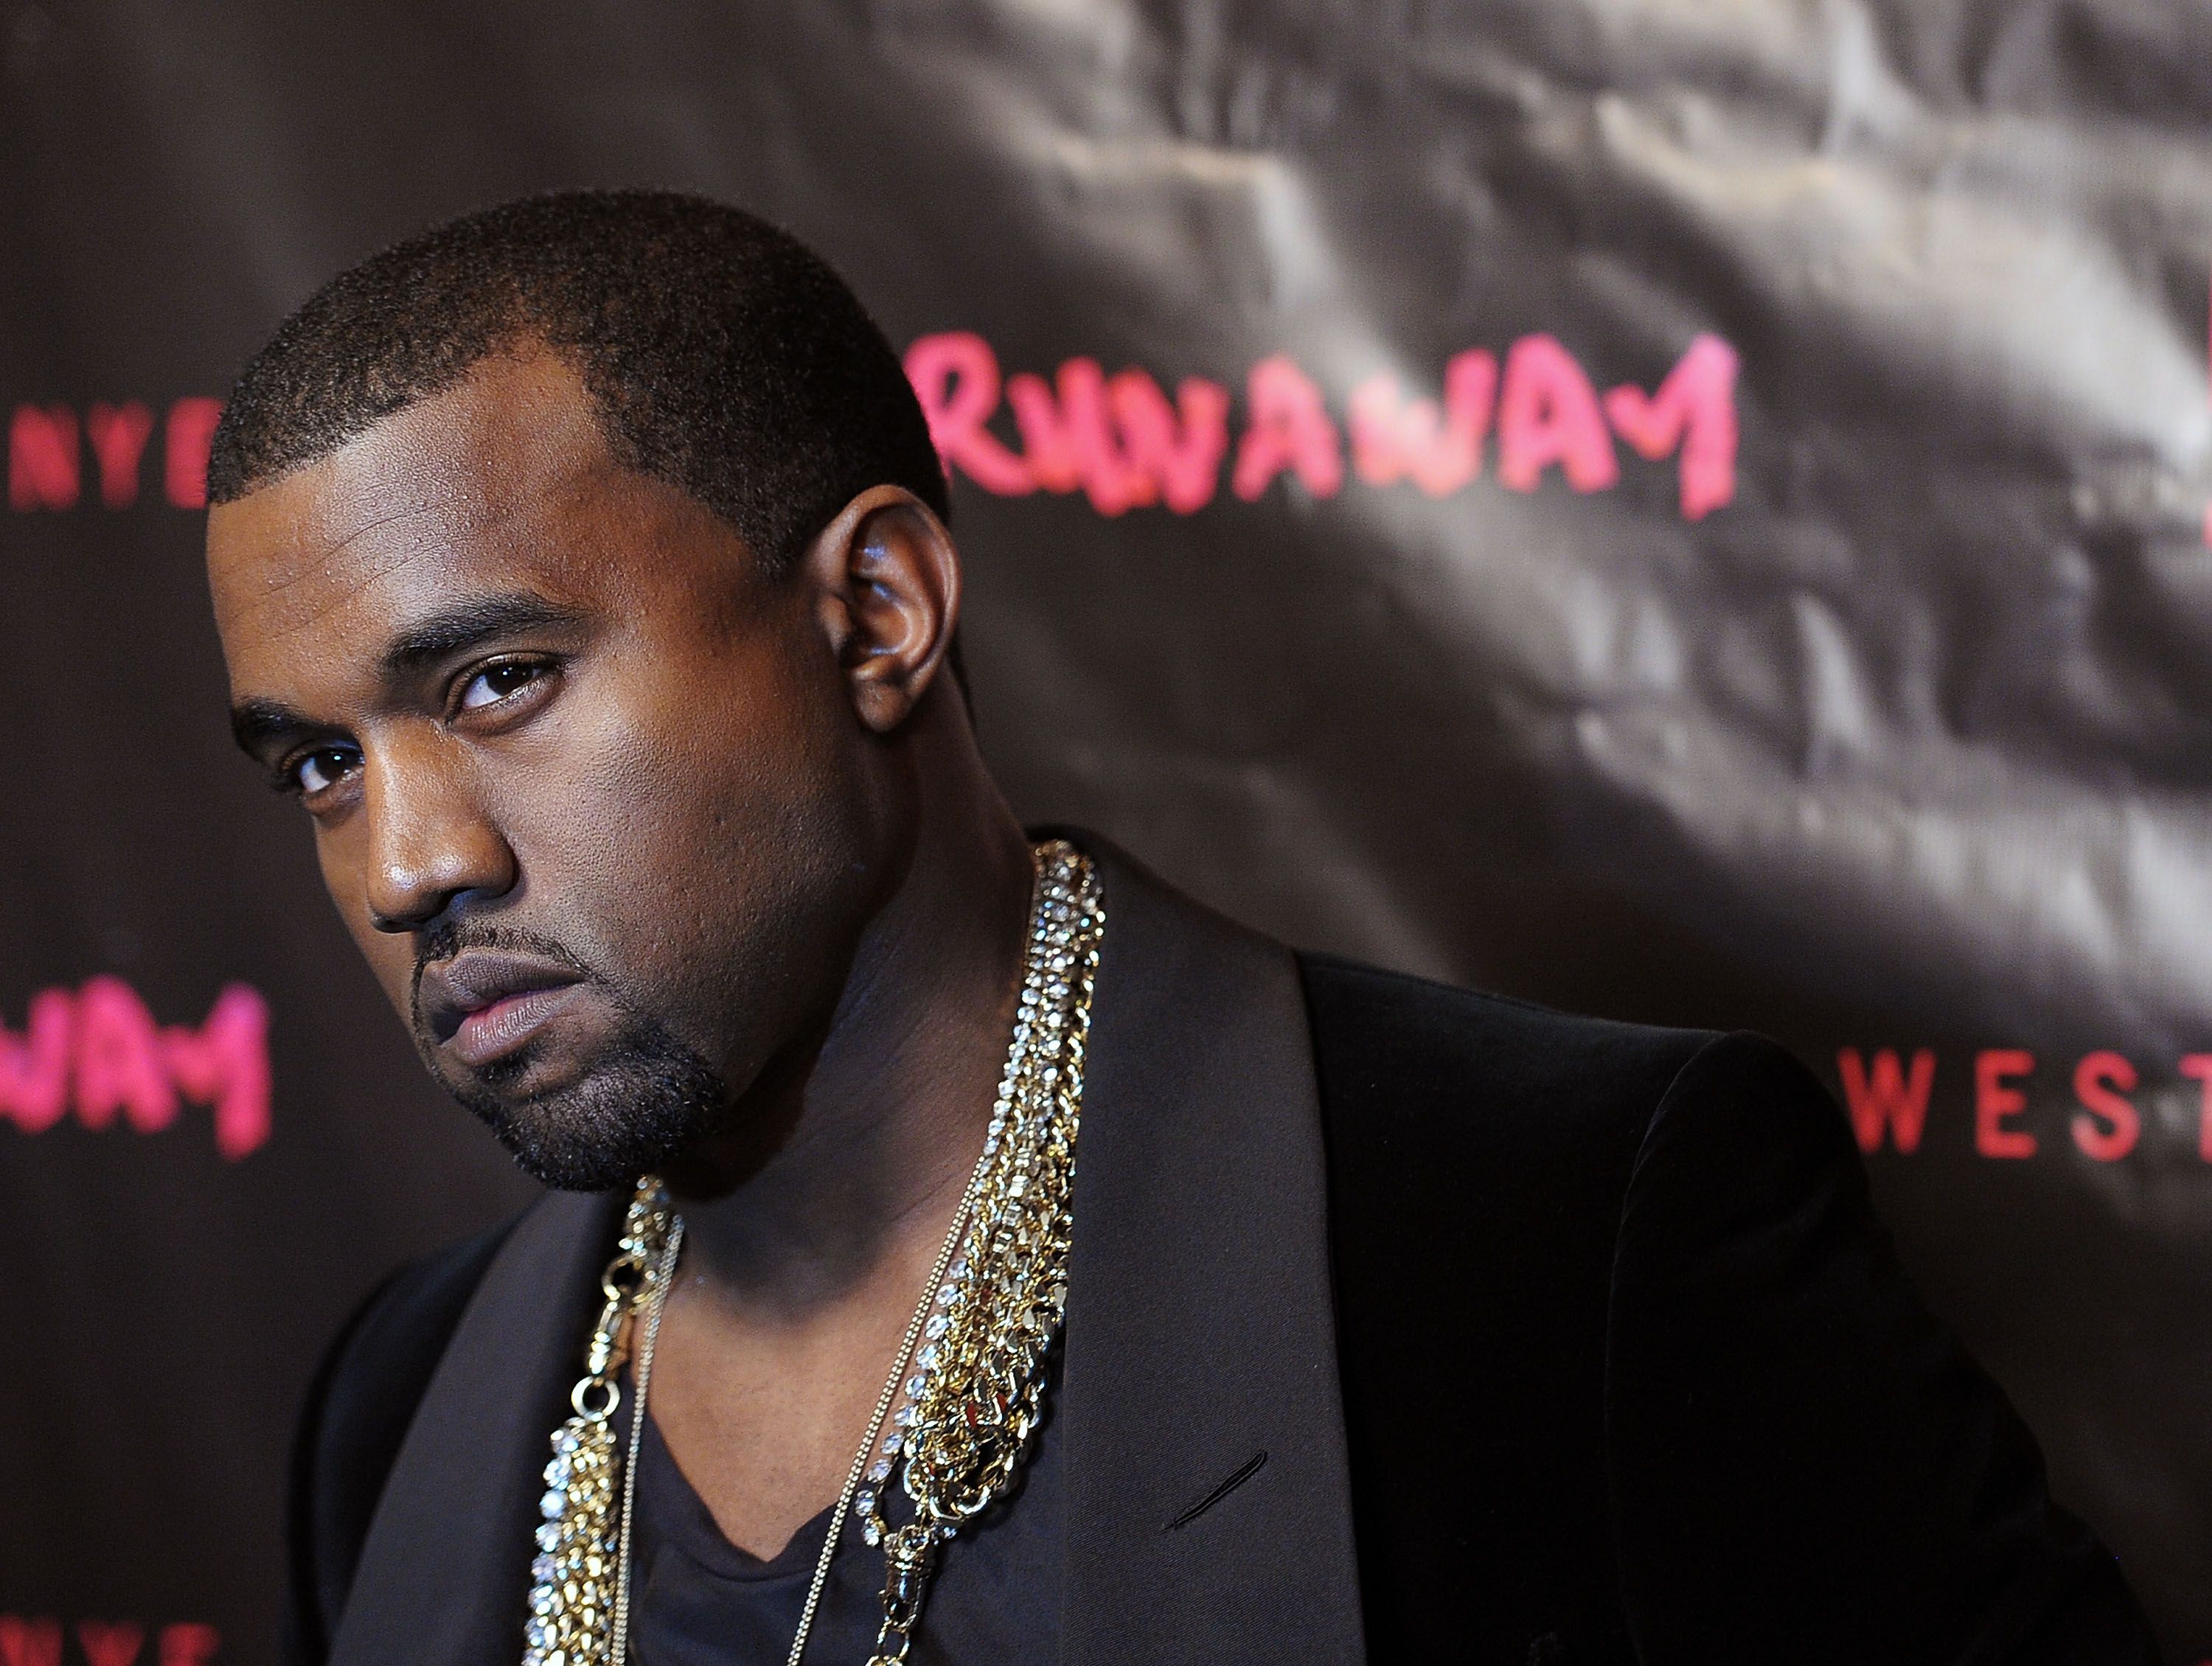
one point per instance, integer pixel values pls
(985, 1326)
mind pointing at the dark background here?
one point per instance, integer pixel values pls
(1905, 746)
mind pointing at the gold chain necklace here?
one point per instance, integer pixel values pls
(986, 1325)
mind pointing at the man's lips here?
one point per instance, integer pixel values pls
(483, 1006)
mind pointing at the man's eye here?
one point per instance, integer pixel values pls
(322, 768)
(496, 682)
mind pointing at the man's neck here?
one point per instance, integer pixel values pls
(809, 1237)
(855, 1152)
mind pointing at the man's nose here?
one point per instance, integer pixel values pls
(431, 841)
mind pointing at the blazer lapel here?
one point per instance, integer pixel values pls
(446, 1569)
(1209, 1513)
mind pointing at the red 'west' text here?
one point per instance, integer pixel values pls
(1887, 1097)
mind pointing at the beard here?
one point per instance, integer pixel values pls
(646, 1098)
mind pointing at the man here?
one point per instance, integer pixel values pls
(1046, 1269)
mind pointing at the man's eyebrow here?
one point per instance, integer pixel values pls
(467, 624)
(256, 724)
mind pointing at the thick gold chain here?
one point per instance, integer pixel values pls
(978, 1385)
(575, 1588)
(979, 1388)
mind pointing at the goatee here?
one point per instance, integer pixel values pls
(645, 1100)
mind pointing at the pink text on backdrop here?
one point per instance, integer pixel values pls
(97, 1051)
(41, 1642)
(1126, 445)
(49, 446)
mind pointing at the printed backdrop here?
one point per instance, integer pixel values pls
(1693, 512)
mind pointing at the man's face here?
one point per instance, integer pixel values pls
(585, 783)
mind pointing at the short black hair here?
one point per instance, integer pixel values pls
(725, 356)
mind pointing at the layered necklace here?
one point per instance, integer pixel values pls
(967, 1386)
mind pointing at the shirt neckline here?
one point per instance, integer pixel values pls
(674, 1514)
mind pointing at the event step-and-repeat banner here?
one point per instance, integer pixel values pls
(1696, 513)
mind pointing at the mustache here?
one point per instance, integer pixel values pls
(443, 942)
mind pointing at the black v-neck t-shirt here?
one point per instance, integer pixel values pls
(697, 1599)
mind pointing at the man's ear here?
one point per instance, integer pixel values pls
(885, 582)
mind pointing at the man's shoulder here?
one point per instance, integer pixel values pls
(1465, 1130)
(1467, 1068)
(1480, 1152)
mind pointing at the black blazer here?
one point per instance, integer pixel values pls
(1405, 1324)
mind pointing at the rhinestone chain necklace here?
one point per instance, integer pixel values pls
(986, 1325)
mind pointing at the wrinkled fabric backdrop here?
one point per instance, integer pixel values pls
(1694, 513)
